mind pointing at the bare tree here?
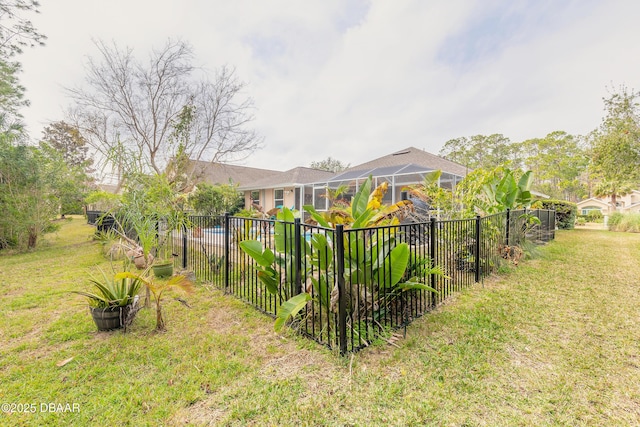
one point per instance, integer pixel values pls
(142, 117)
(17, 32)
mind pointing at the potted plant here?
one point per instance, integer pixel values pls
(113, 303)
(151, 209)
(162, 265)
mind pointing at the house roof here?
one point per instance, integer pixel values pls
(404, 161)
(221, 173)
(592, 201)
(540, 195)
(291, 178)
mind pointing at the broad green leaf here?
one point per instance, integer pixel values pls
(357, 254)
(253, 248)
(524, 184)
(432, 177)
(399, 257)
(524, 199)
(322, 289)
(361, 198)
(268, 257)
(270, 280)
(291, 308)
(316, 216)
(363, 220)
(284, 236)
(286, 215)
(285, 230)
(323, 256)
(406, 286)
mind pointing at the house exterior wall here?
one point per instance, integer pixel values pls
(626, 204)
(592, 204)
(634, 209)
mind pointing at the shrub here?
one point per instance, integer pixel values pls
(594, 216)
(565, 211)
(625, 222)
(614, 220)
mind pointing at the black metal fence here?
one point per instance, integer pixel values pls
(103, 221)
(348, 272)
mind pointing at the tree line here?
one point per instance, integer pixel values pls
(603, 163)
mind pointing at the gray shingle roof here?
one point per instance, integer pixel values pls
(290, 178)
(221, 173)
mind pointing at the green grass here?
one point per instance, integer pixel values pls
(553, 341)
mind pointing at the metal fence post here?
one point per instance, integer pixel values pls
(508, 226)
(478, 230)
(342, 304)
(227, 251)
(434, 261)
(298, 257)
(184, 247)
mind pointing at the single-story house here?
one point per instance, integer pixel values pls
(292, 188)
(302, 186)
(221, 173)
(629, 203)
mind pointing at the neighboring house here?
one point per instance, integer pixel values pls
(304, 186)
(221, 173)
(292, 188)
(629, 203)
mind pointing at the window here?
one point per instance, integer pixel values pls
(255, 197)
(278, 198)
(588, 209)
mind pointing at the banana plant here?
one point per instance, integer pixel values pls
(268, 264)
(507, 193)
(376, 262)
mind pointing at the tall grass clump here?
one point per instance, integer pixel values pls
(624, 222)
(614, 220)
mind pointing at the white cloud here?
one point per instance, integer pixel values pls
(355, 80)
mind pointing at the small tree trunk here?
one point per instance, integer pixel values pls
(159, 320)
(33, 237)
(147, 298)
(613, 202)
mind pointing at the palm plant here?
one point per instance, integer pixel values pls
(158, 287)
(613, 190)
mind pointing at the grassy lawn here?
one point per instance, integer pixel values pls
(556, 341)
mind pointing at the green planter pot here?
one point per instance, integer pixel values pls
(163, 270)
(110, 318)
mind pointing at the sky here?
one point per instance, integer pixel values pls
(358, 79)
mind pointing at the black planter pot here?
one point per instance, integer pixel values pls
(110, 318)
